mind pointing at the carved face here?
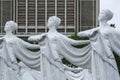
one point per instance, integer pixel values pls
(53, 22)
(10, 26)
(50, 22)
(7, 27)
(102, 15)
(105, 15)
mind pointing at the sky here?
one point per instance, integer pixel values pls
(114, 6)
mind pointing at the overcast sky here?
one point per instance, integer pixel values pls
(114, 6)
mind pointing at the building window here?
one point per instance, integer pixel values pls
(87, 14)
(6, 13)
(32, 15)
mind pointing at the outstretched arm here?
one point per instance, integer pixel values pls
(87, 33)
(84, 33)
(37, 37)
(78, 42)
(29, 45)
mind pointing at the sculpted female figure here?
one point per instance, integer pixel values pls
(104, 40)
(13, 48)
(54, 47)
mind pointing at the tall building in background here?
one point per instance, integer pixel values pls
(32, 15)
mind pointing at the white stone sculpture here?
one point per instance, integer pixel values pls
(54, 47)
(104, 40)
(28, 73)
(13, 48)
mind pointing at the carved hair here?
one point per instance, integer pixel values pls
(12, 24)
(56, 20)
(108, 14)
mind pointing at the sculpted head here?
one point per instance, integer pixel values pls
(105, 15)
(53, 21)
(10, 26)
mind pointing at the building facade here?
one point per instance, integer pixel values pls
(32, 15)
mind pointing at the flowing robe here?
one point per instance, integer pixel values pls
(48, 61)
(53, 49)
(103, 44)
(10, 51)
